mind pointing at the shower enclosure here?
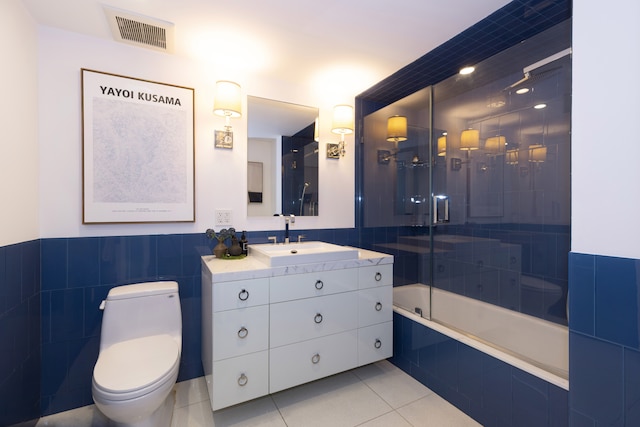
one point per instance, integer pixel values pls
(473, 195)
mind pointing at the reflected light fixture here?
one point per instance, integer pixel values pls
(228, 104)
(511, 157)
(442, 145)
(467, 70)
(342, 125)
(494, 144)
(537, 153)
(396, 129)
(470, 140)
(522, 90)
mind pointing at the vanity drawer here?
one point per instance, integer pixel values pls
(375, 275)
(309, 360)
(375, 305)
(295, 321)
(307, 285)
(241, 331)
(240, 379)
(240, 294)
(375, 343)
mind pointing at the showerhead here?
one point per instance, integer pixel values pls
(306, 184)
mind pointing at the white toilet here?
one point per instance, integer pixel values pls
(140, 347)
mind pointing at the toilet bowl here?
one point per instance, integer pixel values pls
(139, 359)
(538, 295)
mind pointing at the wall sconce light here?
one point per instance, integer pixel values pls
(511, 157)
(470, 140)
(442, 145)
(397, 129)
(228, 104)
(495, 144)
(342, 124)
(537, 153)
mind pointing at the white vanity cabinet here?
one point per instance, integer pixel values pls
(235, 339)
(291, 325)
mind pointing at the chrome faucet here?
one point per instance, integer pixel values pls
(288, 219)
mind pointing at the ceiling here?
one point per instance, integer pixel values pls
(356, 42)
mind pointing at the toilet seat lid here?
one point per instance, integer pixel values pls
(135, 364)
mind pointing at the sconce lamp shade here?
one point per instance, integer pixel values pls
(495, 144)
(537, 153)
(470, 139)
(228, 100)
(342, 119)
(511, 157)
(397, 128)
(316, 130)
(442, 146)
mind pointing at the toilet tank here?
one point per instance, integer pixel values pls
(141, 310)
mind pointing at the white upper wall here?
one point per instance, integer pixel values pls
(221, 175)
(18, 121)
(605, 147)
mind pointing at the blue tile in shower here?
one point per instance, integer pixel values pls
(582, 295)
(54, 264)
(470, 372)
(632, 387)
(496, 381)
(83, 262)
(169, 253)
(576, 419)
(447, 362)
(529, 403)
(596, 378)
(616, 300)
(558, 406)
(141, 258)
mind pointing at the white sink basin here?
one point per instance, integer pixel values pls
(279, 255)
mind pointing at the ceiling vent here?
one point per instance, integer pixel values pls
(140, 30)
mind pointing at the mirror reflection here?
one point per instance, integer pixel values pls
(282, 156)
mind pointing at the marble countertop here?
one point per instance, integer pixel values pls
(252, 268)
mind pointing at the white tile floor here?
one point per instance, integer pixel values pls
(377, 395)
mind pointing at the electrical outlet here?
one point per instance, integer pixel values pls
(223, 217)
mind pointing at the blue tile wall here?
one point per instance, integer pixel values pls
(19, 332)
(77, 274)
(492, 392)
(508, 26)
(604, 349)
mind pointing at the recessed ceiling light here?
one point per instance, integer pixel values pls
(467, 70)
(540, 106)
(522, 91)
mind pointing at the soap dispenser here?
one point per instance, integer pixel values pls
(244, 243)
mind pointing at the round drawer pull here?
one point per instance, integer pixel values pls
(315, 359)
(318, 318)
(319, 284)
(378, 277)
(243, 295)
(377, 344)
(378, 306)
(243, 380)
(243, 332)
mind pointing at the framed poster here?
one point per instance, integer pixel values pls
(137, 150)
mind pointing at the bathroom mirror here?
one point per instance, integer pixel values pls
(282, 158)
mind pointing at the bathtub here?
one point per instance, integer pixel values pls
(536, 346)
